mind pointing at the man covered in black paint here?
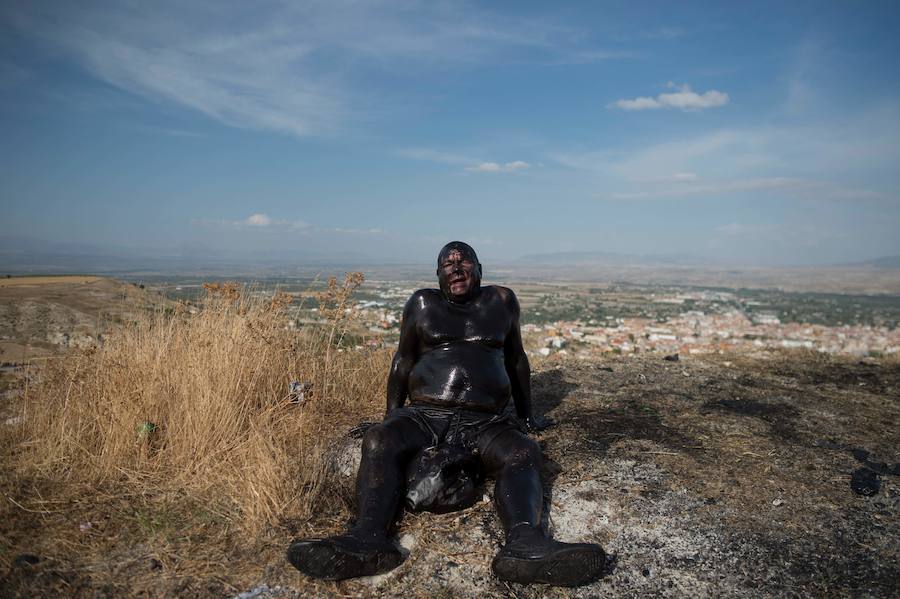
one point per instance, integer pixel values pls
(459, 360)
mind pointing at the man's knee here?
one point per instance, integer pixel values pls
(392, 439)
(380, 440)
(516, 451)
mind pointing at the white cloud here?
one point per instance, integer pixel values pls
(516, 165)
(258, 220)
(472, 165)
(486, 167)
(262, 221)
(643, 103)
(496, 167)
(683, 99)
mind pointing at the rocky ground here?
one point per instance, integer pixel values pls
(699, 477)
(709, 476)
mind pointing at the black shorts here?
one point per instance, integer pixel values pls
(456, 426)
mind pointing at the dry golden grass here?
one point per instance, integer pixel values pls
(197, 404)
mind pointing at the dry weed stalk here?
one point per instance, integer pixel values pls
(197, 402)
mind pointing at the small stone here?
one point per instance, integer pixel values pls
(259, 591)
(777, 502)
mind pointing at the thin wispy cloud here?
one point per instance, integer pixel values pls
(496, 167)
(437, 156)
(808, 163)
(683, 99)
(290, 68)
(248, 115)
(456, 159)
(259, 221)
(720, 187)
(666, 33)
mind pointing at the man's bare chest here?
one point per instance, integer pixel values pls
(486, 324)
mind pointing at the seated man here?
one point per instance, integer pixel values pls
(459, 360)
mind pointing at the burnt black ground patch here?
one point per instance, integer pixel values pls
(777, 414)
(865, 482)
(860, 375)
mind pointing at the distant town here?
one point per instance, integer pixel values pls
(586, 320)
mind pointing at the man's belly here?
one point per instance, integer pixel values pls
(464, 373)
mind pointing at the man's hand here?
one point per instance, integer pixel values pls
(536, 424)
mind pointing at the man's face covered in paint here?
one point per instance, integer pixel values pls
(459, 272)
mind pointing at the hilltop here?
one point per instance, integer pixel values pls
(714, 475)
(44, 315)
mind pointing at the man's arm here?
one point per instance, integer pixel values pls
(405, 358)
(516, 362)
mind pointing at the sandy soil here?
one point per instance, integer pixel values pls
(711, 476)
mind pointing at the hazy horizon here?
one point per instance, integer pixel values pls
(754, 135)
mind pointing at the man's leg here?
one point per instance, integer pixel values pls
(386, 450)
(514, 461)
(366, 549)
(529, 556)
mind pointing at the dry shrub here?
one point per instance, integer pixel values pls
(197, 401)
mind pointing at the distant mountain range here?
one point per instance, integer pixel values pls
(884, 262)
(19, 255)
(24, 255)
(570, 259)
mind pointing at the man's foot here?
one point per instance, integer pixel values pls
(530, 557)
(344, 556)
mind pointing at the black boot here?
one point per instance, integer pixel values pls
(530, 557)
(346, 556)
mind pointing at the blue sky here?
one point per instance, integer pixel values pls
(763, 133)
